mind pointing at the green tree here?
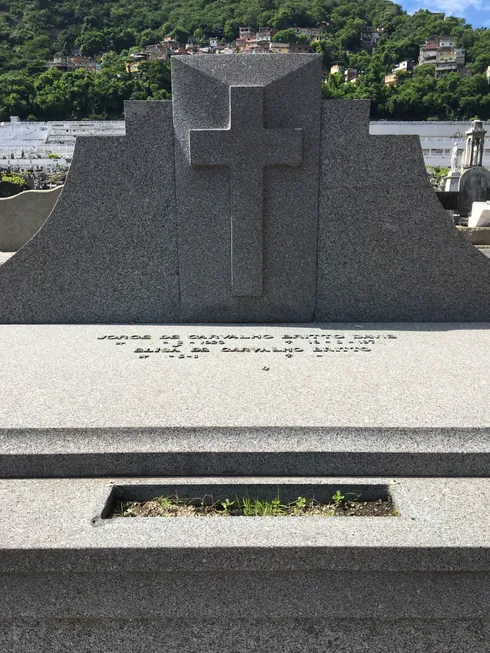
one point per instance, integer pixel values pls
(285, 36)
(32, 31)
(91, 43)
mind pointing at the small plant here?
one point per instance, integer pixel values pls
(122, 509)
(277, 508)
(165, 502)
(337, 498)
(340, 504)
(261, 508)
(299, 506)
(300, 503)
(205, 501)
(227, 505)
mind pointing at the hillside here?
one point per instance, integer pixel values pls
(32, 32)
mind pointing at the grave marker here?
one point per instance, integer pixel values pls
(340, 226)
(247, 200)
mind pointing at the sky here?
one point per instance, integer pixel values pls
(476, 12)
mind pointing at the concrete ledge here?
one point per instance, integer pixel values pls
(22, 215)
(262, 595)
(476, 235)
(48, 529)
(81, 401)
(292, 451)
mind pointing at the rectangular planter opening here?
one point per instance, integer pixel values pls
(249, 500)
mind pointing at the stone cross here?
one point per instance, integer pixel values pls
(246, 147)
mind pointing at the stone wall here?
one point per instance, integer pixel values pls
(21, 216)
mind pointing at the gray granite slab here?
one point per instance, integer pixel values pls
(417, 580)
(367, 399)
(247, 161)
(387, 250)
(368, 375)
(294, 635)
(217, 208)
(48, 528)
(108, 252)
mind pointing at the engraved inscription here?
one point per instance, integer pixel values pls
(286, 344)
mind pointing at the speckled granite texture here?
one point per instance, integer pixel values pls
(246, 202)
(269, 192)
(291, 635)
(416, 582)
(84, 400)
(387, 250)
(108, 252)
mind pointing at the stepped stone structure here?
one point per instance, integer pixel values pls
(208, 257)
(247, 199)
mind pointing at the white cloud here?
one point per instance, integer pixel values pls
(456, 7)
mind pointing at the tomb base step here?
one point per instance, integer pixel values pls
(413, 582)
(311, 399)
(282, 635)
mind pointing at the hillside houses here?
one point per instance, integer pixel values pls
(444, 54)
(248, 41)
(371, 37)
(76, 61)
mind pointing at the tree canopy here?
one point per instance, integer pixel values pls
(33, 31)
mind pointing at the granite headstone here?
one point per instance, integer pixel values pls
(246, 200)
(474, 186)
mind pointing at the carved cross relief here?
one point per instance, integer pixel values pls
(245, 146)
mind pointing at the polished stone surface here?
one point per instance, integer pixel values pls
(417, 582)
(49, 528)
(383, 375)
(291, 635)
(246, 201)
(359, 399)
(246, 148)
(84, 408)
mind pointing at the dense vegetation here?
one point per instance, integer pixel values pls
(32, 31)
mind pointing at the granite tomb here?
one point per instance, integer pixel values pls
(246, 290)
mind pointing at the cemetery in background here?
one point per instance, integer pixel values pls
(35, 145)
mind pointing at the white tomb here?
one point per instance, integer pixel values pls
(480, 215)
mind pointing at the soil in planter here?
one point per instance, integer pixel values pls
(173, 506)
